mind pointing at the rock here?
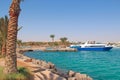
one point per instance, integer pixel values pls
(33, 61)
(45, 64)
(71, 78)
(48, 71)
(38, 62)
(51, 65)
(48, 75)
(21, 51)
(28, 60)
(79, 76)
(60, 73)
(71, 73)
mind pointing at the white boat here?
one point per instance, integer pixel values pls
(92, 47)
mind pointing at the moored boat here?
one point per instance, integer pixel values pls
(92, 47)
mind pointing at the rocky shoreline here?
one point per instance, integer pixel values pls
(48, 71)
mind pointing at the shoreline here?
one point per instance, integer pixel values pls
(43, 70)
(49, 49)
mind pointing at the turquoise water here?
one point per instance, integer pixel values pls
(98, 65)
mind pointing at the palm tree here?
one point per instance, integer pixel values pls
(3, 33)
(10, 59)
(52, 36)
(63, 40)
(0, 44)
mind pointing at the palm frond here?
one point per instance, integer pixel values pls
(19, 28)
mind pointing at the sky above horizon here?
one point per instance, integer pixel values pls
(78, 20)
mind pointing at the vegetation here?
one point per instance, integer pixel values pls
(23, 74)
(46, 44)
(52, 36)
(63, 40)
(3, 34)
(10, 58)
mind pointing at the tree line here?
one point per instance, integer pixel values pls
(62, 42)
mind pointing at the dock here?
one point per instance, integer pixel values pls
(49, 49)
(60, 50)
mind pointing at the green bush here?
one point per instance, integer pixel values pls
(23, 74)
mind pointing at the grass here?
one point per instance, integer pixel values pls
(23, 74)
(2, 56)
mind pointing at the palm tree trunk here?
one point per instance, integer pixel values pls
(10, 59)
(52, 39)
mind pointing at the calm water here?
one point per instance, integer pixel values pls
(98, 65)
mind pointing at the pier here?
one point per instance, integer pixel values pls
(48, 49)
(61, 50)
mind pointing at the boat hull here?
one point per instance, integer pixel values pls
(94, 49)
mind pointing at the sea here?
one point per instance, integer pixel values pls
(100, 65)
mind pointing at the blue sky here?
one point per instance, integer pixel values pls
(78, 20)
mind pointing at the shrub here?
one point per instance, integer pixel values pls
(23, 74)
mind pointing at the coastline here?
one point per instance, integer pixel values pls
(43, 70)
(49, 49)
